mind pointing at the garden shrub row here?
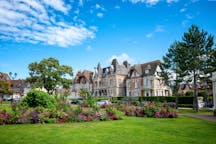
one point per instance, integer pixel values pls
(181, 99)
(149, 109)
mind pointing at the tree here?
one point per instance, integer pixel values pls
(171, 68)
(49, 74)
(199, 47)
(5, 87)
(84, 93)
(193, 57)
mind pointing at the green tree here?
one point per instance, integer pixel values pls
(5, 87)
(171, 68)
(199, 47)
(193, 57)
(84, 93)
(48, 74)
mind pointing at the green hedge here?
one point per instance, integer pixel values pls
(185, 105)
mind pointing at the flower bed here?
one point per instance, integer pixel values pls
(63, 112)
(150, 109)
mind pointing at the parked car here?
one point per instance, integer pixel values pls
(102, 102)
(76, 101)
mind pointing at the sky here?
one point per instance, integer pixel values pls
(81, 33)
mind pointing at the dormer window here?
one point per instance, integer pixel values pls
(148, 67)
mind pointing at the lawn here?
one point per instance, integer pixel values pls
(131, 130)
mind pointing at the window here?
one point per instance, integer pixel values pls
(136, 83)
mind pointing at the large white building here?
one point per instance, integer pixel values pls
(144, 80)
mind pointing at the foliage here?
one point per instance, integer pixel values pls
(36, 98)
(90, 101)
(190, 58)
(48, 74)
(150, 109)
(5, 87)
(84, 93)
(189, 93)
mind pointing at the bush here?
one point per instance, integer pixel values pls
(186, 105)
(189, 93)
(36, 98)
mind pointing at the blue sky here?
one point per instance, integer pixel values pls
(81, 33)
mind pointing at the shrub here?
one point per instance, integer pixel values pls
(36, 98)
(189, 93)
(150, 109)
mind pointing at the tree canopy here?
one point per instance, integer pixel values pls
(191, 58)
(5, 87)
(49, 74)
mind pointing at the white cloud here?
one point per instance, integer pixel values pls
(149, 35)
(182, 10)
(58, 5)
(100, 15)
(88, 48)
(117, 7)
(34, 21)
(121, 58)
(189, 16)
(97, 6)
(148, 2)
(171, 1)
(80, 2)
(159, 28)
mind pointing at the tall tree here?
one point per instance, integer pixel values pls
(193, 57)
(48, 74)
(199, 47)
(171, 68)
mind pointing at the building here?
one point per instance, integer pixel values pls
(4, 77)
(110, 81)
(19, 88)
(83, 80)
(144, 80)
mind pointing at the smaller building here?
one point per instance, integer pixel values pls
(83, 80)
(144, 80)
(19, 88)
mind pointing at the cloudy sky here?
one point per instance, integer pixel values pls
(81, 33)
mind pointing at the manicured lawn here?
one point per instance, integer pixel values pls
(202, 111)
(131, 130)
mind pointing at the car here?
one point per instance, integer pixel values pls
(102, 102)
(77, 101)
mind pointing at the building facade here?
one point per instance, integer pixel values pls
(19, 88)
(144, 80)
(83, 80)
(110, 81)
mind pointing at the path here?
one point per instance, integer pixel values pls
(202, 116)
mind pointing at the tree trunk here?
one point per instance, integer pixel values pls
(195, 99)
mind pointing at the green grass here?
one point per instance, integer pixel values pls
(202, 111)
(131, 130)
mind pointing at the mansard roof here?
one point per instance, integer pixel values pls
(4, 76)
(150, 67)
(85, 74)
(145, 69)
